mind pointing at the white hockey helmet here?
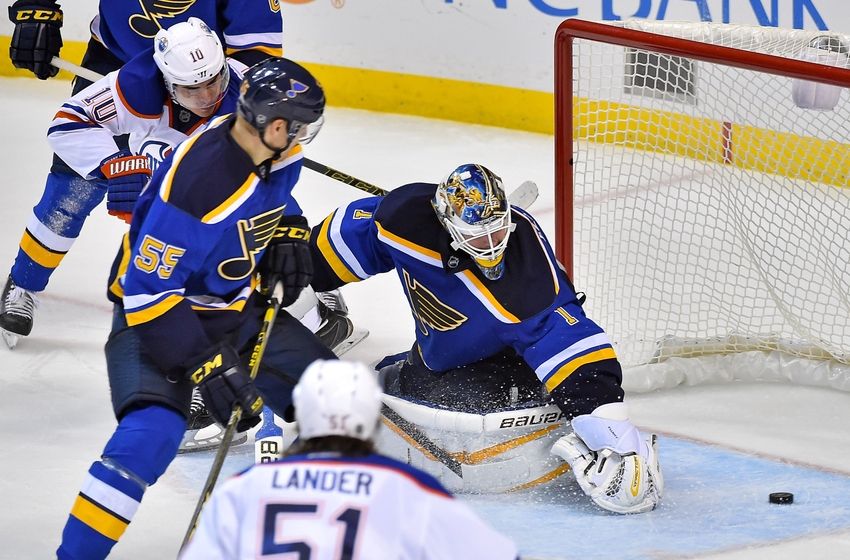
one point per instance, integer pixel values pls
(472, 206)
(337, 398)
(189, 54)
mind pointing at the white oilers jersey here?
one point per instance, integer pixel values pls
(132, 101)
(328, 507)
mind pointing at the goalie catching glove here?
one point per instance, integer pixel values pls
(36, 38)
(288, 259)
(224, 383)
(612, 462)
(126, 175)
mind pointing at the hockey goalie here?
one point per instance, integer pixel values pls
(508, 385)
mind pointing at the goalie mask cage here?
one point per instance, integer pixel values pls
(703, 210)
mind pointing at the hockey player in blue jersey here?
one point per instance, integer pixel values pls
(210, 219)
(333, 496)
(493, 310)
(251, 31)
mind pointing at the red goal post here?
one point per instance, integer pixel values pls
(727, 276)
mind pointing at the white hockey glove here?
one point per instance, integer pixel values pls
(612, 462)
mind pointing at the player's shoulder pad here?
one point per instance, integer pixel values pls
(407, 212)
(206, 172)
(140, 87)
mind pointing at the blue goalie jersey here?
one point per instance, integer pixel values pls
(127, 28)
(461, 316)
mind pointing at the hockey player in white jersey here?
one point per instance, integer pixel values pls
(157, 101)
(333, 497)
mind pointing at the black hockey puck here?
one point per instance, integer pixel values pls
(781, 498)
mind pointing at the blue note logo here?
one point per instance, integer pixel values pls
(295, 88)
(428, 310)
(254, 235)
(147, 23)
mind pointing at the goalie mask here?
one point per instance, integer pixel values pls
(337, 398)
(193, 66)
(472, 207)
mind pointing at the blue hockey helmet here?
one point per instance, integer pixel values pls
(472, 206)
(278, 88)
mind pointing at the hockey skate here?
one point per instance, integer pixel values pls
(17, 307)
(336, 330)
(202, 431)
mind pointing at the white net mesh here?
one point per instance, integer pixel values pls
(712, 214)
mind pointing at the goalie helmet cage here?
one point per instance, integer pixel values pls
(704, 211)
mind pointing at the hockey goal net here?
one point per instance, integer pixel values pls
(703, 195)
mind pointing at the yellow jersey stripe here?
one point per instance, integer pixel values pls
(271, 51)
(39, 253)
(152, 312)
(116, 288)
(490, 297)
(337, 264)
(568, 368)
(165, 188)
(409, 244)
(102, 521)
(232, 199)
(235, 306)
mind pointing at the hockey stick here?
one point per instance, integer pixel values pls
(508, 471)
(337, 175)
(75, 69)
(268, 441)
(423, 440)
(523, 196)
(236, 415)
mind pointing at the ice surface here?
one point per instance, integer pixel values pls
(723, 448)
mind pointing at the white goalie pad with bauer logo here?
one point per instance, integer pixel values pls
(487, 453)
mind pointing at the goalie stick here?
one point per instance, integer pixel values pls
(504, 475)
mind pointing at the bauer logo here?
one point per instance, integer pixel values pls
(532, 419)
